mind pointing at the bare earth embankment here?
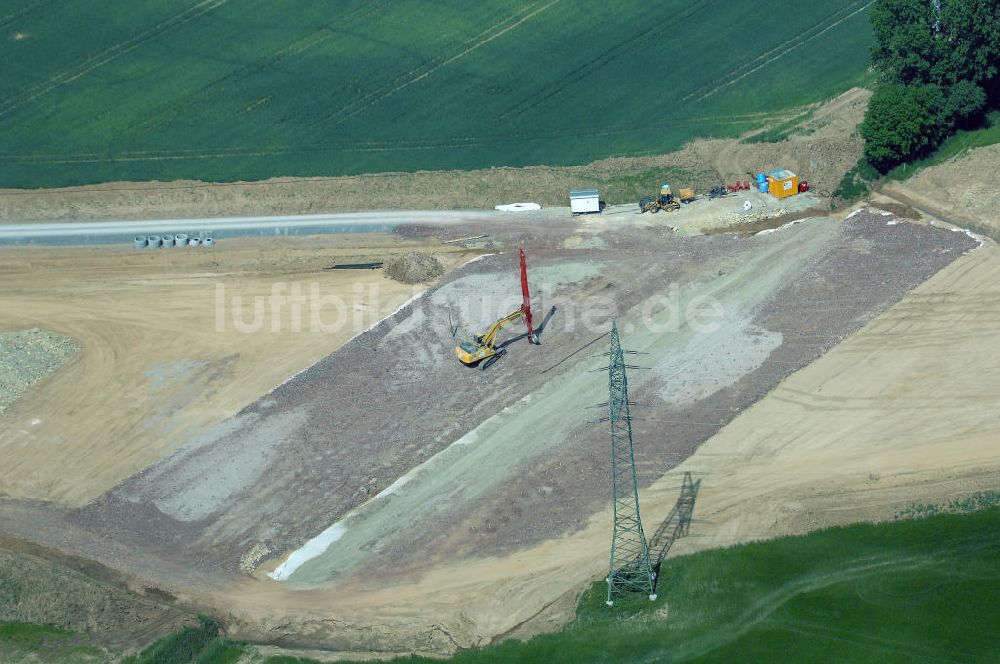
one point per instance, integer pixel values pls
(963, 189)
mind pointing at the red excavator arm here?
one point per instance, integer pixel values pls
(526, 304)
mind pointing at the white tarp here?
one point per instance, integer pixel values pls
(311, 549)
(518, 207)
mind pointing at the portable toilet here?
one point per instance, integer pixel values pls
(584, 200)
(783, 183)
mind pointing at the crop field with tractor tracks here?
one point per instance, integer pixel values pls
(147, 91)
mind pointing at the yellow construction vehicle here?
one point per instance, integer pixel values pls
(665, 200)
(483, 349)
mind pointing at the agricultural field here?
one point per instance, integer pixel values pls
(224, 91)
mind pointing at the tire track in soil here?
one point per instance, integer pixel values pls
(884, 645)
(214, 89)
(413, 71)
(13, 16)
(104, 57)
(782, 53)
(363, 146)
(416, 74)
(391, 79)
(597, 63)
(763, 608)
(768, 52)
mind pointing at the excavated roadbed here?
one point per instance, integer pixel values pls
(367, 437)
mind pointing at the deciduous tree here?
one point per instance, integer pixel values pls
(903, 122)
(940, 66)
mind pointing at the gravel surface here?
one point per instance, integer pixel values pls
(27, 357)
(413, 268)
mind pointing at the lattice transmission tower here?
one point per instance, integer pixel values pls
(630, 568)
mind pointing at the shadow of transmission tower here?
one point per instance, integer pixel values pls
(676, 525)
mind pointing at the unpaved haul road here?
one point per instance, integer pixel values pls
(101, 232)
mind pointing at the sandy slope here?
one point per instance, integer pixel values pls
(964, 187)
(156, 366)
(906, 410)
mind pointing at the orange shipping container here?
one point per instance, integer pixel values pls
(782, 184)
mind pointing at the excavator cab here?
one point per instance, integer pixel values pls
(468, 354)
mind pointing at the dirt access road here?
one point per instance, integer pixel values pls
(963, 189)
(94, 232)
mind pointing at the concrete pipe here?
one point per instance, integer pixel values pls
(194, 242)
(180, 240)
(153, 242)
(140, 242)
(208, 242)
(168, 240)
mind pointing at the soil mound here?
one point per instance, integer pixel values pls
(28, 356)
(413, 268)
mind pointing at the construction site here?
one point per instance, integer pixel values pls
(499, 332)
(400, 454)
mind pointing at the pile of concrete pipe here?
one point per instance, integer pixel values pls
(179, 240)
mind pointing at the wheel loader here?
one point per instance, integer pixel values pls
(659, 202)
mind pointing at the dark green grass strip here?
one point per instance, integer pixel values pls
(961, 142)
(30, 634)
(200, 645)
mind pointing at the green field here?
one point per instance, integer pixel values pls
(907, 591)
(223, 90)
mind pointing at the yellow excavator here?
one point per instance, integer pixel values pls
(483, 348)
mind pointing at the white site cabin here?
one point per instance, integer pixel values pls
(584, 200)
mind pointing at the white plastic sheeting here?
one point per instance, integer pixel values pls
(308, 551)
(518, 207)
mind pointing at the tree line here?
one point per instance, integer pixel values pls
(939, 70)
